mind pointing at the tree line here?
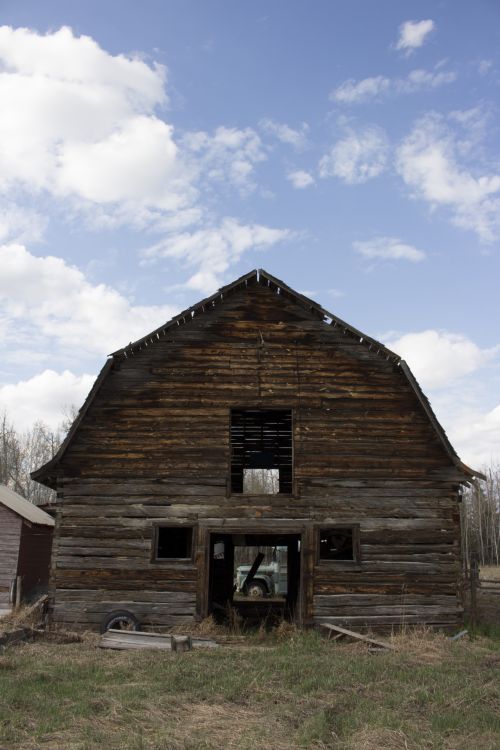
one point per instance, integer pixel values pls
(480, 514)
(23, 452)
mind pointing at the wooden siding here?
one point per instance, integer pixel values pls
(10, 534)
(155, 446)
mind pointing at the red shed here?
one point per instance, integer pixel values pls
(25, 547)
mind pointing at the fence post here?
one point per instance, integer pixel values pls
(473, 578)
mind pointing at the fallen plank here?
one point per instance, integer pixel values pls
(343, 631)
(132, 639)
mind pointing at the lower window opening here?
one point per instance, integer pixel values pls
(173, 542)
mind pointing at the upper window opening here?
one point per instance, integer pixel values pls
(173, 542)
(261, 451)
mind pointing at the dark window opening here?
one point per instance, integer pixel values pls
(337, 544)
(173, 542)
(261, 451)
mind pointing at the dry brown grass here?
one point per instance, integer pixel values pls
(380, 739)
(286, 691)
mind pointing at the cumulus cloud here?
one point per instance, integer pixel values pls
(388, 248)
(83, 127)
(44, 397)
(215, 248)
(356, 158)
(428, 160)
(80, 122)
(300, 179)
(476, 436)
(46, 297)
(228, 156)
(21, 224)
(377, 87)
(413, 34)
(298, 138)
(437, 358)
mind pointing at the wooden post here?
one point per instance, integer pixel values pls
(473, 578)
(18, 591)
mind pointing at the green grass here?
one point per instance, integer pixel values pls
(303, 692)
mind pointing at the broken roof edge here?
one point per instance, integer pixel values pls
(438, 428)
(43, 473)
(257, 275)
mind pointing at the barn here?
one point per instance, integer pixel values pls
(256, 426)
(25, 549)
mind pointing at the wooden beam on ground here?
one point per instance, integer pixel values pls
(132, 639)
(358, 636)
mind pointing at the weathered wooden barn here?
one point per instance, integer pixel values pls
(25, 548)
(256, 418)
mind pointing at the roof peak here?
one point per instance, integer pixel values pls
(263, 278)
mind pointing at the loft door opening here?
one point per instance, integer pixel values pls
(261, 451)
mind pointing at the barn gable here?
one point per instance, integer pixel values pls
(242, 312)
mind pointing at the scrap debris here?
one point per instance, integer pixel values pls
(136, 639)
(343, 632)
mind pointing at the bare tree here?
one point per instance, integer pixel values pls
(481, 519)
(22, 453)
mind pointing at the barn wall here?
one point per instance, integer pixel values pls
(155, 445)
(10, 534)
(409, 551)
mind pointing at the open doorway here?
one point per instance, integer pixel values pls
(258, 575)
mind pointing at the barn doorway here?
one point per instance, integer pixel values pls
(256, 576)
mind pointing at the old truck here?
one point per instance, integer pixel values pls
(270, 579)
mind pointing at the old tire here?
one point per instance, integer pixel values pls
(256, 590)
(119, 619)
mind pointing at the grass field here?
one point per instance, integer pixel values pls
(298, 692)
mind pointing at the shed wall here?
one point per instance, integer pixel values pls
(10, 535)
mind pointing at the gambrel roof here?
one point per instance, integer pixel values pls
(46, 474)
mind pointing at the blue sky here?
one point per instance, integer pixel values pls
(151, 153)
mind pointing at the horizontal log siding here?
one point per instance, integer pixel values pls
(154, 446)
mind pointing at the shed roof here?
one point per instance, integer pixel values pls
(45, 474)
(24, 508)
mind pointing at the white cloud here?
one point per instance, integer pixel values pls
(44, 397)
(476, 436)
(20, 224)
(300, 179)
(427, 160)
(484, 67)
(81, 127)
(438, 358)
(214, 249)
(228, 156)
(388, 248)
(413, 34)
(376, 87)
(356, 158)
(80, 124)
(46, 297)
(352, 92)
(284, 133)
